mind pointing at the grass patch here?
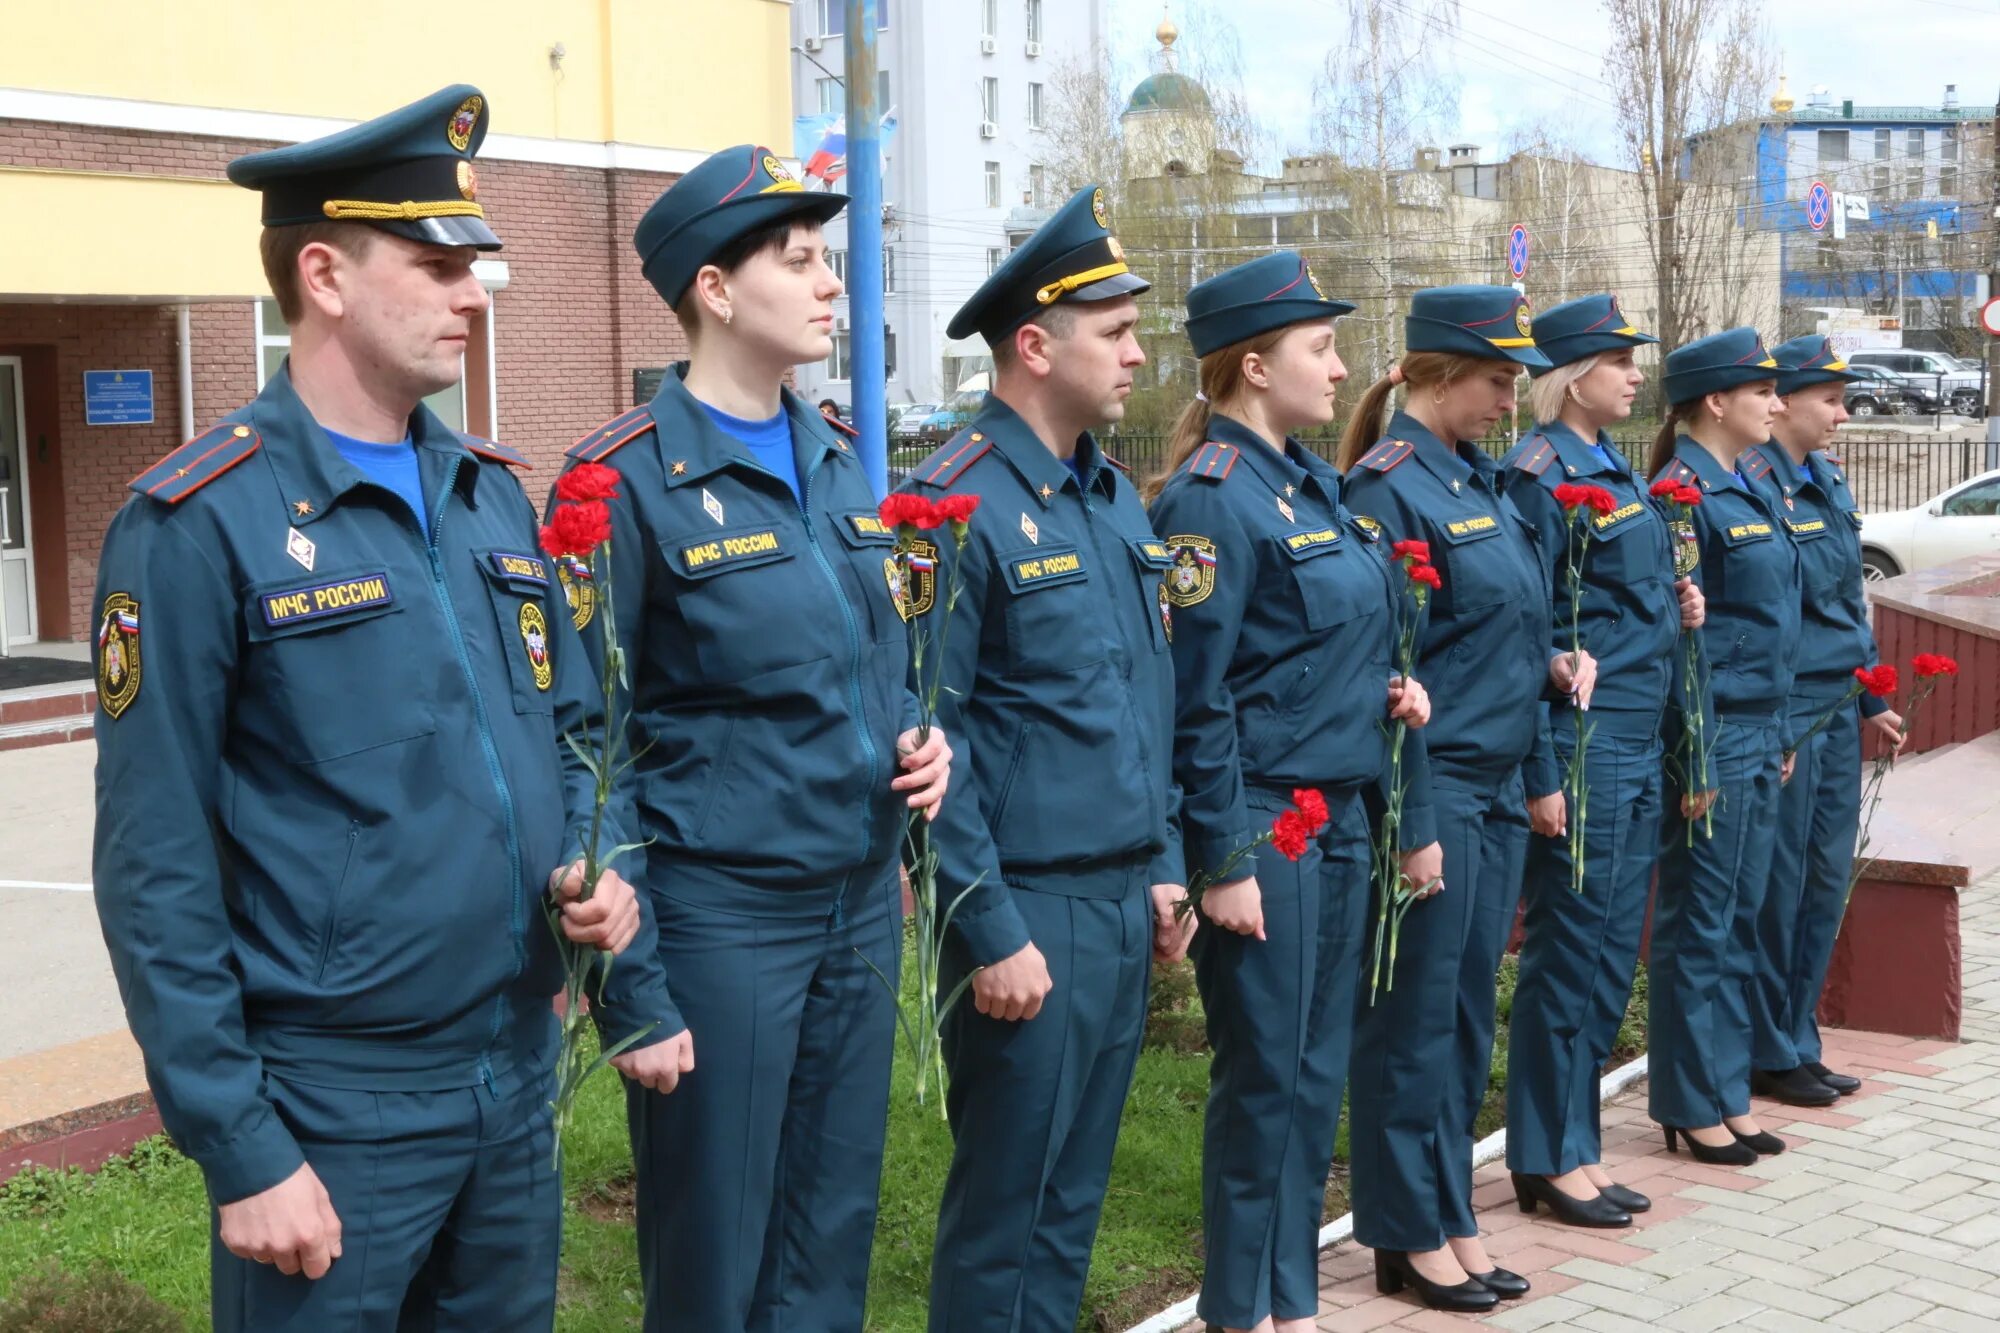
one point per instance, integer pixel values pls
(129, 1243)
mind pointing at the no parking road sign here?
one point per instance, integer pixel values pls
(1517, 251)
(1819, 206)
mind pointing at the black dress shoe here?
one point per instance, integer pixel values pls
(1762, 1143)
(1630, 1200)
(1597, 1212)
(1507, 1286)
(1394, 1271)
(1844, 1084)
(1794, 1087)
(1728, 1154)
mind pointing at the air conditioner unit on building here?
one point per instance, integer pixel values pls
(814, 43)
(1034, 48)
(988, 130)
(987, 46)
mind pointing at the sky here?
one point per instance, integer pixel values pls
(1511, 72)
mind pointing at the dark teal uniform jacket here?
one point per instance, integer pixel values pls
(331, 786)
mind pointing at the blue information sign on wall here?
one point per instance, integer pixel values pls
(117, 397)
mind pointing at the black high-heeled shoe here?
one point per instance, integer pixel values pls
(1394, 1271)
(1763, 1143)
(1597, 1212)
(1728, 1154)
(1507, 1286)
(1630, 1200)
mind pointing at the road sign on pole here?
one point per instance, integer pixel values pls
(1989, 317)
(1517, 252)
(1819, 206)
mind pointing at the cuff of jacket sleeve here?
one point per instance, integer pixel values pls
(617, 1022)
(1209, 851)
(1873, 705)
(1419, 826)
(264, 1155)
(993, 932)
(1541, 775)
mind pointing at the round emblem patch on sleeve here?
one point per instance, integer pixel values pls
(1191, 578)
(118, 654)
(535, 639)
(912, 578)
(578, 589)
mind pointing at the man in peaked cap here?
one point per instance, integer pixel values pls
(1060, 690)
(334, 670)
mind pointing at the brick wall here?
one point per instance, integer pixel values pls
(573, 323)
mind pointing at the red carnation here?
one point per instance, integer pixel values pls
(957, 508)
(577, 529)
(1603, 501)
(1312, 807)
(1879, 681)
(1687, 495)
(1569, 495)
(906, 510)
(1421, 551)
(1426, 575)
(588, 481)
(1290, 835)
(1927, 665)
(1665, 488)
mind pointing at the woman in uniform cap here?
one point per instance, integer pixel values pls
(1724, 395)
(1485, 651)
(1582, 937)
(1284, 615)
(774, 762)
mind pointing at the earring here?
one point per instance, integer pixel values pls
(727, 315)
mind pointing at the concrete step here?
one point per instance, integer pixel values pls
(47, 714)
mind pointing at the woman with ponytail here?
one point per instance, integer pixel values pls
(1485, 648)
(1584, 921)
(1724, 391)
(1284, 613)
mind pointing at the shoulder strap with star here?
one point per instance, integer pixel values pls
(613, 435)
(1212, 461)
(952, 459)
(841, 426)
(198, 462)
(1535, 461)
(1678, 471)
(1386, 456)
(494, 450)
(1756, 465)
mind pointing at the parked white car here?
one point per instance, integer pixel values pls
(1962, 521)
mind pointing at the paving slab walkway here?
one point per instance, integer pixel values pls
(1882, 1214)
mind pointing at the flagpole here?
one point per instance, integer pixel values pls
(864, 247)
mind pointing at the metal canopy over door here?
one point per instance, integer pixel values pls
(17, 554)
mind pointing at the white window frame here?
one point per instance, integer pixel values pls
(993, 185)
(994, 255)
(840, 358)
(989, 18)
(1038, 184)
(989, 98)
(1036, 107)
(836, 259)
(832, 96)
(1034, 20)
(888, 270)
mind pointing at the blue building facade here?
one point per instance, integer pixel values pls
(1915, 251)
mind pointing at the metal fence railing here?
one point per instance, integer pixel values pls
(1885, 470)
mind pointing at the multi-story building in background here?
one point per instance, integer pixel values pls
(970, 85)
(133, 310)
(1908, 187)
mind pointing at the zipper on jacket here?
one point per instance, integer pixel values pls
(493, 768)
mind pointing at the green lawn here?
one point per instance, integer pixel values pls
(144, 1217)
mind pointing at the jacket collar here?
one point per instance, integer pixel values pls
(309, 470)
(1576, 454)
(1711, 473)
(1285, 471)
(1041, 471)
(1455, 467)
(692, 446)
